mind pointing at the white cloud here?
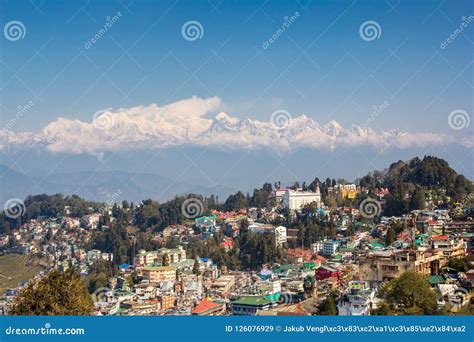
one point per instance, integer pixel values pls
(190, 122)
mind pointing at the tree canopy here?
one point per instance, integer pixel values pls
(55, 294)
(410, 294)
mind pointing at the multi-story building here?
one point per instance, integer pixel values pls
(317, 247)
(249, 305)
(159, 274)
(278, 194)
(346, 190)
(167, 302)
(278, 231)
(330, 247)
(297, 199)
(90, 221)
(206, 223)
(223, 285)
(358, 300)
(385, 265)
(155, 257)
(298, 256)
(446, 247)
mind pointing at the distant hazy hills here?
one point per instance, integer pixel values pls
(100, 186)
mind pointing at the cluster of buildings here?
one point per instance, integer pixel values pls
(166, 281)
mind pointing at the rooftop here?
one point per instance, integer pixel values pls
(206, 306)
(159, 268)
(252, 300)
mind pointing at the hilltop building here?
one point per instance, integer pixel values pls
(297, 199)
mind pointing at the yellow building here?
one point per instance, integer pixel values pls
(159, 274)
(385, 265)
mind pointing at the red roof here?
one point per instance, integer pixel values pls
(299, 252)
(206, 305)
(319, 258)
(440, 237)
(227, 243)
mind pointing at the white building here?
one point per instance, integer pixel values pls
(358, 300)
(317, 247)
(279, 232)
(175, 255)
(297, 199)
(330, 247)
(278, 194)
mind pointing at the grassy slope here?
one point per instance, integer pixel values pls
(14, 269)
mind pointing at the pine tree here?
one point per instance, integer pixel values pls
(417, 201)
(165, 261)
(196, 270)
(329, 307)
(390, 237)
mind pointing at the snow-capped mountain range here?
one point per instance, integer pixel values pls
(189, 123)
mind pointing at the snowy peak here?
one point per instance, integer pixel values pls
(187, 122)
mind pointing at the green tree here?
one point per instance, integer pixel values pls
(329, 308)
(410, 294)
(236, 202)
(459, 264)
(56, 294)
(417, 201)
(390, 237)
(196, 270)
(165, 261)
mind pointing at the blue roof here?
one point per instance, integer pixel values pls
(124, 266)
(204, 259)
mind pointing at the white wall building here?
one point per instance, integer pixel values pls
(297, 199)
(279, 232)
(358, 300)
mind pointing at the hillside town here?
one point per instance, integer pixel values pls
(340, 269)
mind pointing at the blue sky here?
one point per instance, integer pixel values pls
(319, 66)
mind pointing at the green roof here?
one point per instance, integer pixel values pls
(252, 301)
(346, 249)
(159, 268)
(183, 263)
(204, 218)
(436, 279)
